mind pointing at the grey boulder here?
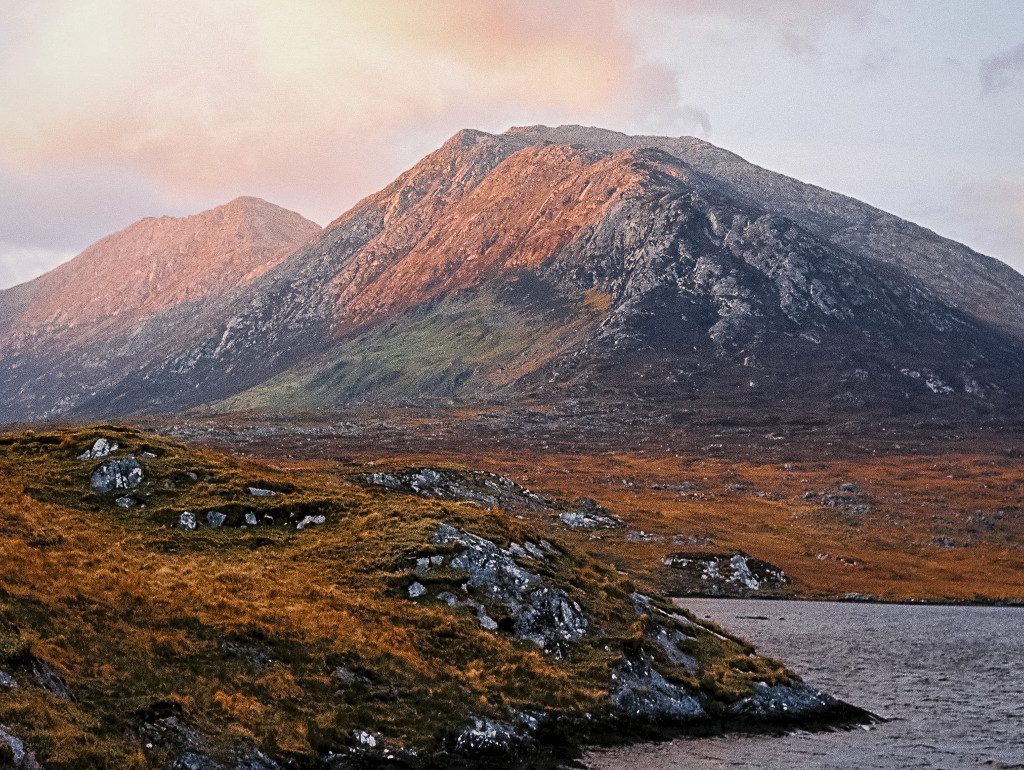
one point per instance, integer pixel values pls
(784, 701)
(101, 448)
(17, 755)
(117, 474)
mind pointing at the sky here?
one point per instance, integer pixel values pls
(113, 110)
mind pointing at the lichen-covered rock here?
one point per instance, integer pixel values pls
(8, 681)
(101, 448)
(13, 752)
(215, 519)
(126, 473)
(187, 521)
(485, 736)
(847, 498)
(480, 487)
(542, 614)
(640, 692)
(125, 502)
(308, 521)
(727, 574)
(164, 727)
(258, 492)
(254, 759)
(794, 700)
(191, 760)
(550, 619)
(44, 675)
(590, 516)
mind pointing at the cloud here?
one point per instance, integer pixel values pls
(304, 101)
(22, 263)
(796, 25)
(70, 207)
(1001, 71)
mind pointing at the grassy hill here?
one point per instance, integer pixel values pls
(310, 619)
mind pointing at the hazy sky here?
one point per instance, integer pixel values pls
(111, 110)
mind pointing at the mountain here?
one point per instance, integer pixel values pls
(553, 264)
(74, 316)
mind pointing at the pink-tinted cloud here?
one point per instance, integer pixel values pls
(305, 100)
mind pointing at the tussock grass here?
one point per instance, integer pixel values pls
(240, 630)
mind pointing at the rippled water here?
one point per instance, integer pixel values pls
(951, 679)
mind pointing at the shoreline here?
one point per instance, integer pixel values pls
(996, 603)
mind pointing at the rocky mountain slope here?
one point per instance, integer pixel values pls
(70, 321)
(574, 263)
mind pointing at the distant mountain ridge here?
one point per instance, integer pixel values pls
(157, 263)
(547, 264)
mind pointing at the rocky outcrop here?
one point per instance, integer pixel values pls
(537, 612)
(846, 497)
(479, 487)
(101, 448)
(784, 702)
(590, 515)
(491, 490)
(486, 737)
(641, 693)
(117, 474)
(14, 754)
(725, 575)
(44, 675)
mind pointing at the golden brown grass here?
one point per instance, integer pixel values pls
(894, 553)
(132, 611)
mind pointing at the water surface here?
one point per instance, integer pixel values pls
(951, 679)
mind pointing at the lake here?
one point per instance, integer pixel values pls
(950, 679)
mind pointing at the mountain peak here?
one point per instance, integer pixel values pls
(159, 262)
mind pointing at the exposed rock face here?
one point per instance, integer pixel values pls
(542, 614)
(491, 490)
(847, 497)
(488, 737)
(782, 701)
(487, 489)
(117, 474)
(44, 675)
(641, 692)
(590, 515)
